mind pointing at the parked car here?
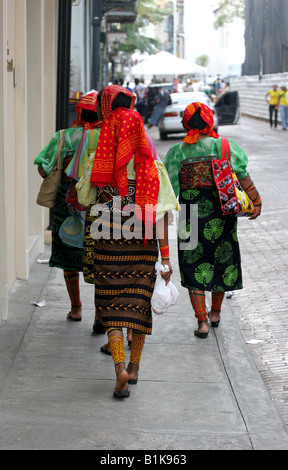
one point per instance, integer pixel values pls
(225, 111)
(152, 91)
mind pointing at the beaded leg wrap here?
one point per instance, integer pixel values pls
(198, 304)
(116, 343)
(138, 340)
(217, 299)
(73, 288)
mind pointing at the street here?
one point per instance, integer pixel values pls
(261, 308)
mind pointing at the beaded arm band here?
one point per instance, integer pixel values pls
(73, 201)
(164, 250)
(258, 200)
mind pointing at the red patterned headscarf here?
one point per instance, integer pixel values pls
(206, 114)
(109, 94)
(88, 102)
(122, 136)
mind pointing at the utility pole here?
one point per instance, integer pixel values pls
(174, 29)
(97, 14)
(63, 68)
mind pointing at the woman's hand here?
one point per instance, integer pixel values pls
(42, 172)
(256, 213)
(166, 275)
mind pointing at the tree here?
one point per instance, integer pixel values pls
(227, 10)
(148, 11)
(202, 60)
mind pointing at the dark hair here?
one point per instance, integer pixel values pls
(121, 101)
(89, 116)
(99, 97)
(196, 121)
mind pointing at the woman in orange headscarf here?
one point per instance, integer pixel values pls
(212, 261)
(65, 256)
(125, 249)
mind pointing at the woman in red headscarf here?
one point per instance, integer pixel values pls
(210, 259)
(65, 256)
(126, 246)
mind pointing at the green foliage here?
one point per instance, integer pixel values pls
(228, 10)
(202, 60)
(137, 42)
(148, 12)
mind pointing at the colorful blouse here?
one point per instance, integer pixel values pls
(87, 193)
(71, 140)
(204, 150)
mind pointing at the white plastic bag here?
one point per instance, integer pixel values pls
(164, 295)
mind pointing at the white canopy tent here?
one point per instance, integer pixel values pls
(165, 63)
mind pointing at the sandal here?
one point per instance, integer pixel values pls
(122, 393)
(69, 317)
(214, 324)
(99, 328)
(104, 349)
(198, 333)
(134, 379)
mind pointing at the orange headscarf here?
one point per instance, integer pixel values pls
(88, 102)
(206, 114)
(122, 136)
(109, 94)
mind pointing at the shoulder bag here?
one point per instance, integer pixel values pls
(72, 230)
(233, 199)
(50, 184)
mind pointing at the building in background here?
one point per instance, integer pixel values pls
(266, 37)
(28, 89)
(224, 47)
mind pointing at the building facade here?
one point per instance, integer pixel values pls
(28, 76)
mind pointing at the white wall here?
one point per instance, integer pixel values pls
(28, 66)
(252, 92)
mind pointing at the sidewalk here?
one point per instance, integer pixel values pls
(56, 386)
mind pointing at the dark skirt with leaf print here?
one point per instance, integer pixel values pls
(213, 264)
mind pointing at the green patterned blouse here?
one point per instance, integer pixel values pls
(204, 150)
(47, 157)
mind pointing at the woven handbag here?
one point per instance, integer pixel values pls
(233, 199)
(50, 184)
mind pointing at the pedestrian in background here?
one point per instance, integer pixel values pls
(283, 106)
(141, 106)
(214, 264)
(272, 97)
(162, 100)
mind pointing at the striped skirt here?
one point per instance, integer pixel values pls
(124, 277)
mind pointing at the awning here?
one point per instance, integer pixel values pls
(164, 63)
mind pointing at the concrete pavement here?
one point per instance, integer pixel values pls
(56, 386)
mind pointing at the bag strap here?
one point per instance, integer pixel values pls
(225, 148)
(59, 149)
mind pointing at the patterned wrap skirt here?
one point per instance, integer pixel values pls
(214, 263)
(124, 275)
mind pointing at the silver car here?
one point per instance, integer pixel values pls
(225, 111)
